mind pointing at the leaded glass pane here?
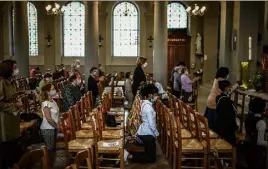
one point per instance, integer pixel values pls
(125, 30)
(32, 29)
(177, 16)
(74, 29)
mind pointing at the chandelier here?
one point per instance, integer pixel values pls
(56, 10)
(196, 11)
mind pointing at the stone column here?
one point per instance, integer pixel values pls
(160, 43)
(21, 38)
(91, 40)
(226, 23)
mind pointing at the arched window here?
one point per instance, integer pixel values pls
(176, 16)
(74, 29)
(125, 30)
(32, 29)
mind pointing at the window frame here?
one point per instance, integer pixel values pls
(138, 30)
(62, 32)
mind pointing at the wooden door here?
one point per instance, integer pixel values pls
(178, 50)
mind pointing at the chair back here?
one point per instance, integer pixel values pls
(31, 157)
(80, 158)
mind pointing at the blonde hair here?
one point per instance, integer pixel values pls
(141, 60)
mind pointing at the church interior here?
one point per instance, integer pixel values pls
(127, 84)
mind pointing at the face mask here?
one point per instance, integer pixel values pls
(63, 68)
(145, 65)
(16, 72)
(227, 77)
(153, 100)
(131, 76)
(77, 66)
(94, 73)
(151, 82)
(53, 93)
(186, 72)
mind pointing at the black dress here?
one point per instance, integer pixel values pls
(138, 77)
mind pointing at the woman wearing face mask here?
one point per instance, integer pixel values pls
(139, 76)
(49, 126)
(186, 85)
(210, 113)
(71, 93)
(147, 131)
(9, 114)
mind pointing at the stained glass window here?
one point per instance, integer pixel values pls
(74, 29)
(176, 16)
(125, 30)
(32, 29)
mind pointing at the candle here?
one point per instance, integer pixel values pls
(249, 48)
(249, 42)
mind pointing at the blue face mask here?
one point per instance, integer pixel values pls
(53, 93)
(153, 100)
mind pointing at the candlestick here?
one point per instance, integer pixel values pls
(249, 48)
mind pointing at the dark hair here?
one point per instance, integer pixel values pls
(73, 77)
(258, 64)
(128, 74)
(148, 89)
(222, 72)
(44, 90)
(47, 75)
(181, 64)
(6, 68)
(183, 70)
(223, 84)
(37, 68)
(92, 69)
(257, 105)
(141, 61)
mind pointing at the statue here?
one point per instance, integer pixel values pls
(198, 43)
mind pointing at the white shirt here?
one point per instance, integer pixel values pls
(148, 116)
(54, 111)
(261, 127)
(159, 87)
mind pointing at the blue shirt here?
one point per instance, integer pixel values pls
(148, 116)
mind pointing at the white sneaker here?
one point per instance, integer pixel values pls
(126, 153)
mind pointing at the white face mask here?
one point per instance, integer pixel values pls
(77, 66)
(145, 64)
(227, 77)
(78, 82)
(131, 76)
(186, 72)
(16, 72)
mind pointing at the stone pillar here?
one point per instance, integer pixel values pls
(160, 43)
(91, 40)
(226, 24)
(21, 38)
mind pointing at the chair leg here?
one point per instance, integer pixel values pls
(170, 151)
(122, 158)
(205, 163)
(167, 146)
(174, 158)
(234, 158)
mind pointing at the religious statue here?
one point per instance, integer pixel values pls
(198, 43)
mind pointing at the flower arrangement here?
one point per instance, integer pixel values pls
(257, 80)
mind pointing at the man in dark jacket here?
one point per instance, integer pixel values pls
(93, 83)
(226, 114)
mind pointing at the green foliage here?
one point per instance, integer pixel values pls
(257, 80)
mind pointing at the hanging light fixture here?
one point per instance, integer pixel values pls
(56, 10)
(196, 11)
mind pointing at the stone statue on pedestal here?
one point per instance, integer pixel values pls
(198, 43)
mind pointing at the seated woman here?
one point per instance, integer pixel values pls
(186, 85)
(147, 131)
(255, 133)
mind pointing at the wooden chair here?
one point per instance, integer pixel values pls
(31, 157)
(215, 145)
(73, 145)
(239, 103)
(80, 158)
(186, 149)
(102, 149)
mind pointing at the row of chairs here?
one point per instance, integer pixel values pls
(85, 128)
(185, 135)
